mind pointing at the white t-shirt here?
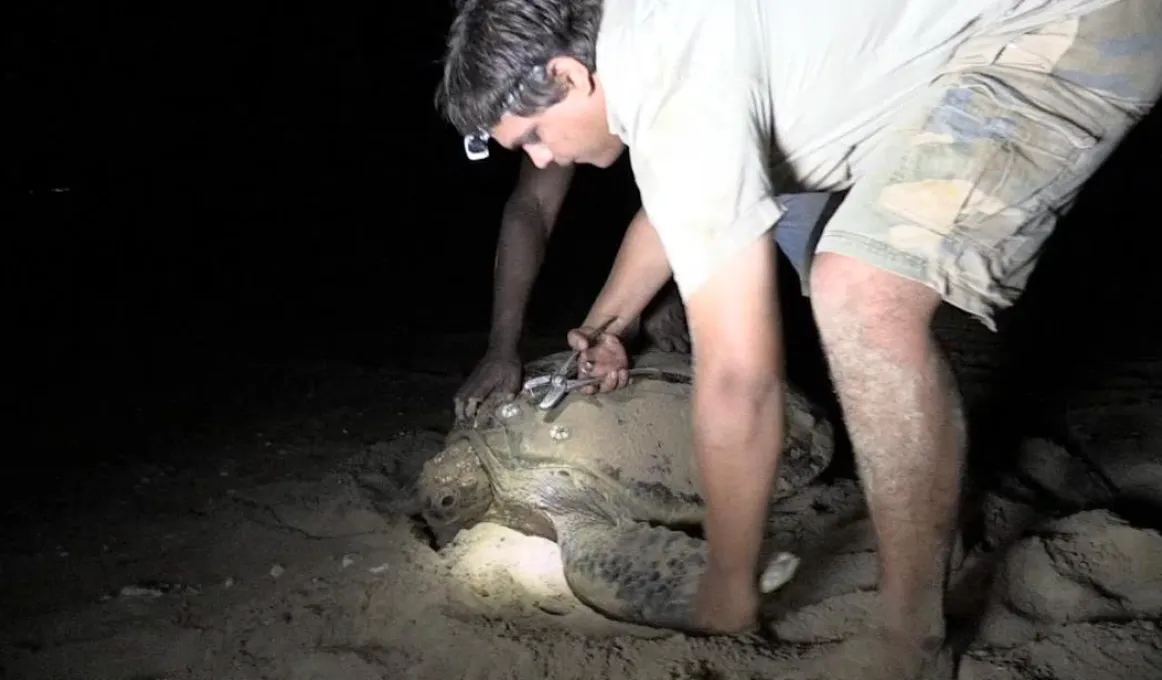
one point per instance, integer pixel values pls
(715, 98)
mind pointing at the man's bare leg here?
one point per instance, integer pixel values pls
(902, 409)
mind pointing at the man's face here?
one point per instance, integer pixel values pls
(575, 130)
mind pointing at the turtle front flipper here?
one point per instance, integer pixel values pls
(644, 574)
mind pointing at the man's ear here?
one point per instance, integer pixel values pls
(572, 74)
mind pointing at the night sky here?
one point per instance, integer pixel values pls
(185, 187)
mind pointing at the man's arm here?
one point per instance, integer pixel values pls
(738, 407)
(700, 146)
(528, 220)
(639, 271)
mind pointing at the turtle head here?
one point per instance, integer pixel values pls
(454, 490)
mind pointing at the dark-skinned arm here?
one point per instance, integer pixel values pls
(525, 227)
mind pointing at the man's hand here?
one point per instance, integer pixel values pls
(497, 373)
(606, 357)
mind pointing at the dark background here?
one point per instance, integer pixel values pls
(232, 173)
(188, 188)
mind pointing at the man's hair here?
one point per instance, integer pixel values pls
(497, 53)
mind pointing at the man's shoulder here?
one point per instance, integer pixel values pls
(625, 26)
(630, 14)
(648, 49)
(656, 38)
(667, 20)
(631, 47)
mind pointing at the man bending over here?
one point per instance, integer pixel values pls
(963, 129)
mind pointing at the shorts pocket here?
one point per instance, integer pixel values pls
(981, 152)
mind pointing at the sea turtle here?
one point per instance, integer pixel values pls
(612, 478)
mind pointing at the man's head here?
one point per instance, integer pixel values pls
(524, 72)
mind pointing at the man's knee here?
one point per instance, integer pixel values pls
(860, 305)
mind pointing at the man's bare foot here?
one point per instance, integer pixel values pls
(882, 655)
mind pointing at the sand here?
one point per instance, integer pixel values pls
(284, 547)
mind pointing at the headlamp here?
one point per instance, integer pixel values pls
(476, 145)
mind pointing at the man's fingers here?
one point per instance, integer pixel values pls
(577, 340)
(465, 407)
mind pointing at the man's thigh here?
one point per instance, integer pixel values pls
(964, 190)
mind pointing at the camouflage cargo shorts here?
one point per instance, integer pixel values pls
(963, 191)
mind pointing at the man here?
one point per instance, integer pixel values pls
(529, 216)
(963, 131)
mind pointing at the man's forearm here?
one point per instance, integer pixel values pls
(520, 250)
(738, 436)
(738, 404)
(638, 273)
